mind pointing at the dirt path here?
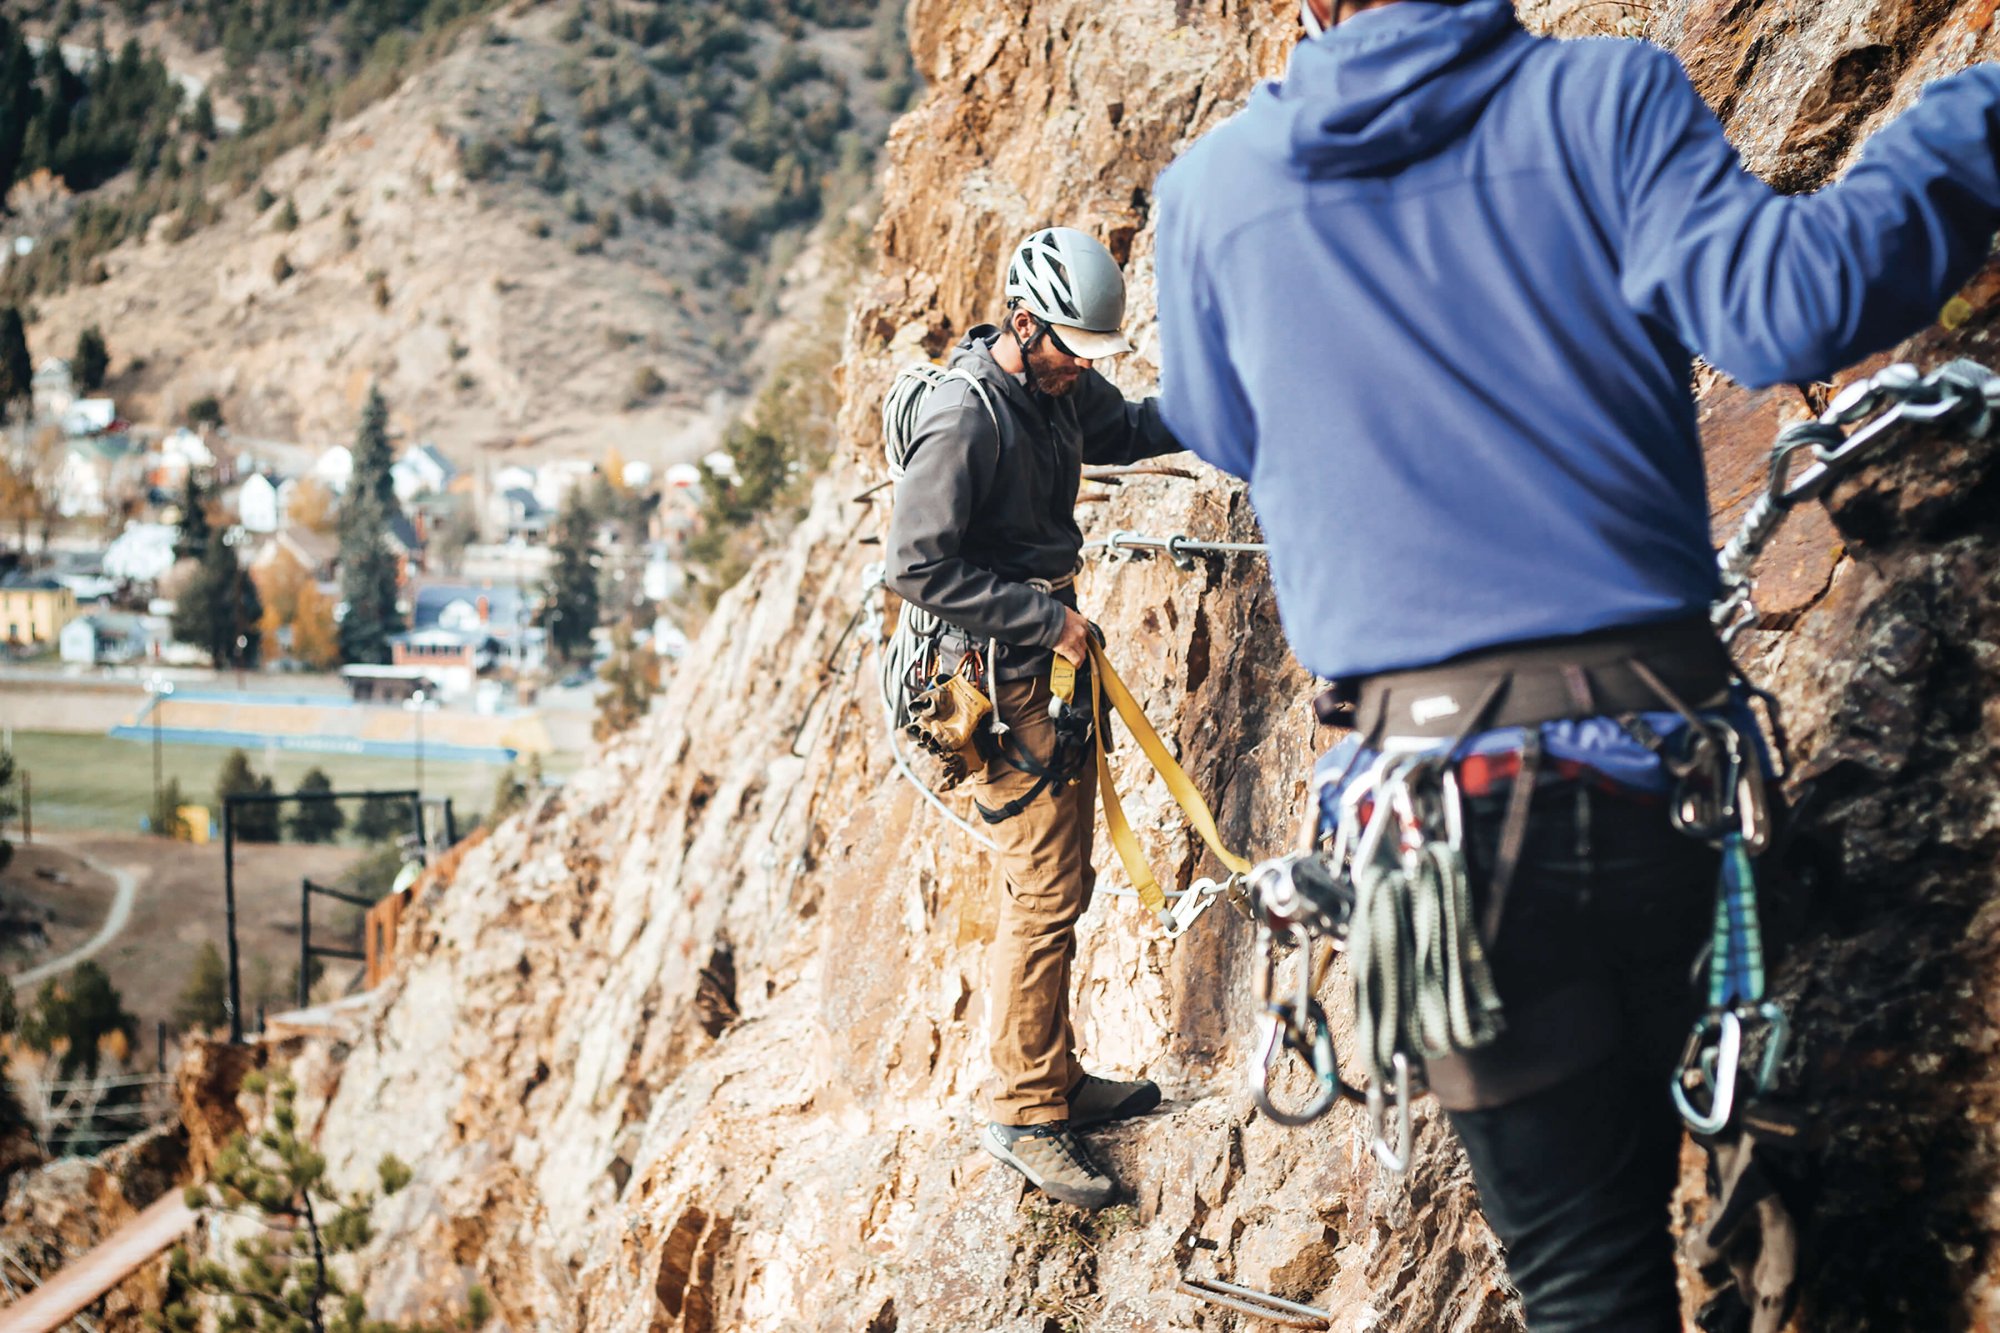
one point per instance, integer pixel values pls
(115, 922)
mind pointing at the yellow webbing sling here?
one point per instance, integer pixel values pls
(1105, 682)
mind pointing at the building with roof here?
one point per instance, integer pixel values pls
(316, 552)
(421, 471)
(142, 553)
(34, 608)
(257, 507)
(95, 470)
(110, 636)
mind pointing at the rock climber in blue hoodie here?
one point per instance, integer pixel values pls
(1436, 296)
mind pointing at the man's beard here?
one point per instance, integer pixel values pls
(1054, 381)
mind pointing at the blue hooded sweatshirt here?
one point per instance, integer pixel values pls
(1435, 296)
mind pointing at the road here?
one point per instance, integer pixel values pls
(114, 925)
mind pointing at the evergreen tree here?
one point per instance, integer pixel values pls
(17, 369)
(73, 1014)
(368, 569)
(165, 820)
(570, 607)
(203, 1001)
(8, 807)
(256, 822)
(279, 1279)
(316, 821)
(382, 818)
(92, 360)
(192, 538)
(220, 610)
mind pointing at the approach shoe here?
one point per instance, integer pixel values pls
(1096, 1100)
(1054, 1160)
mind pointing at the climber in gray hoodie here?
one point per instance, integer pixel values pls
(984, 536)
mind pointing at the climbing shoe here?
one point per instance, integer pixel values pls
(1096, 1100)
(1054, 1160)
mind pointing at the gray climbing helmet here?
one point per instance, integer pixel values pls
(1070, 281)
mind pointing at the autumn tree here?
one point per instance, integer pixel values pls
(631, 679)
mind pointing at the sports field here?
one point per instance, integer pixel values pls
(95, 782)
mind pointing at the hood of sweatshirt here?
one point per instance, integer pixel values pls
(1388, 86)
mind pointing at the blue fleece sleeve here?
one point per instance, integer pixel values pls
(1775, 288)
(1201, 398)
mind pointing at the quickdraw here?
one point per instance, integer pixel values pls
(1960, 393)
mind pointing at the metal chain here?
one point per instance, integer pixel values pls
(1960, 393)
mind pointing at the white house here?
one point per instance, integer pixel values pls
(257, 507)
(180, 451)
(107, 636)
(89, 416)
(556, 480)
(681, 476)
(53, 388)
(637, 476)
(513, 477)
(335, 468)
(421, 471)
(143, 553)
(93, 466)
(516, 515)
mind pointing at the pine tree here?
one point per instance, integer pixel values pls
(220, 610)
(256, 822)
(203, 1001)
(17, 369)
(92, 360)
(8, 808)
(570, 606)
(368, 573)
(279, 1279)
(165, 820)
(316, 821)
(192, 538)
(382, 818)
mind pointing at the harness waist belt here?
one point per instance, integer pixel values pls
(1527, 684)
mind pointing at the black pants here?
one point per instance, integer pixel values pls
(1608, 909)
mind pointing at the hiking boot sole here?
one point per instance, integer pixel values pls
(1081, 1196)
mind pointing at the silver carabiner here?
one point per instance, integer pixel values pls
(1299, 1026)
(1396, 1158)
(1715, 1064)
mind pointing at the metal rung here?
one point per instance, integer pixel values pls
(1262, 1304)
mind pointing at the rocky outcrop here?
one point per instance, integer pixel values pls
(691, 1045)
(56, 1213)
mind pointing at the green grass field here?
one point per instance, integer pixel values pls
(94, 782)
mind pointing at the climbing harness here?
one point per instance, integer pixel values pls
(1391, 888)
(1960, 393)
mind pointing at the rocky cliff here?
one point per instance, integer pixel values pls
(691, 1045)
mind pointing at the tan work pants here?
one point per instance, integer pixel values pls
(1045, 861)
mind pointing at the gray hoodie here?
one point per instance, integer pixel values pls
(979, 511)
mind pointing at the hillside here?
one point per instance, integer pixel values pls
(572, 230)
(690, 1046)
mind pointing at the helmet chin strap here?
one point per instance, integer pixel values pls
(1310, 17)
(1027, 362)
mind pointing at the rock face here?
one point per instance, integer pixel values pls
(691, 1046)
